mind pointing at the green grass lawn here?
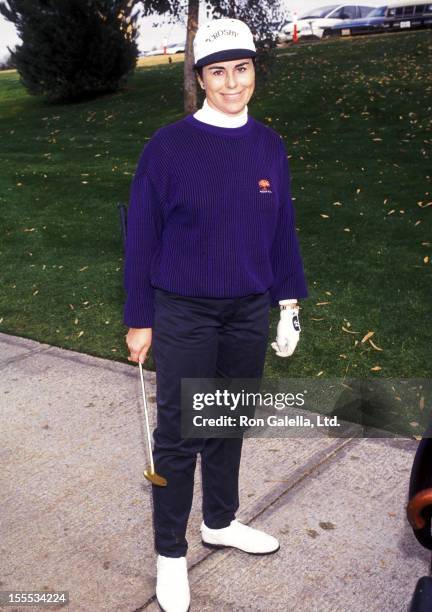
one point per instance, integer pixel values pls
(356, 117)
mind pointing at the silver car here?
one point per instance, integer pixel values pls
(314, 22)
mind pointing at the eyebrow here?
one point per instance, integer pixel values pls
(223, 67)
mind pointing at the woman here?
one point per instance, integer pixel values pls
(211, 245)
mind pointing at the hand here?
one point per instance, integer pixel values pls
(138, 341)
(288, 332)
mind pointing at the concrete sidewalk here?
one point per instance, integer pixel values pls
(76, 510)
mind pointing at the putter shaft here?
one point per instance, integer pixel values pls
(151, 475)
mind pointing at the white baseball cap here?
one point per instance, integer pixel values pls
(222, 39)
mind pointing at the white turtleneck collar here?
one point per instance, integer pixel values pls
(207, 114)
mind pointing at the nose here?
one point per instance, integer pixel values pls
(231, 81)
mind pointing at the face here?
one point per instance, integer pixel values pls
(229, 85)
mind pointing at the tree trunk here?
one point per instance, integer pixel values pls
(190, 85)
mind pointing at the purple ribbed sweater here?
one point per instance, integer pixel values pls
(211, 215)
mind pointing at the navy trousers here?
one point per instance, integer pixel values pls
(200, 338)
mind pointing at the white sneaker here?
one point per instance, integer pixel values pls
(172, 585)
(238, 535)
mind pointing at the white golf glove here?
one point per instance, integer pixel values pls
(288, 332)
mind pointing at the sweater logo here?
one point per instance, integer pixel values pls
(264, 186)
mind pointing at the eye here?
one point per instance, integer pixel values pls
(217, 72)
(242, 68)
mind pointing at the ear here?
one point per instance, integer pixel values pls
(199, 79)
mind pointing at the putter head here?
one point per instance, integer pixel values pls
(155, 479)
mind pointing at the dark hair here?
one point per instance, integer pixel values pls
(200, 69)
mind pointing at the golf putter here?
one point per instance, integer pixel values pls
(150, 474)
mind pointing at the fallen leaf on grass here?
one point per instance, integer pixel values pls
(317, 319)
(367, 336)
(422, 205)
(80, 334)
(377, 348)
(322, 303)
(426, 259)
(324, 216)
(348, 331)
(422, 403)
(376, 368)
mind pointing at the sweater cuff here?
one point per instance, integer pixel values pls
(139, 311)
